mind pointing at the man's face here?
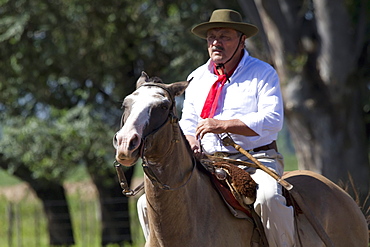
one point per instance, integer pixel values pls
(222, 43)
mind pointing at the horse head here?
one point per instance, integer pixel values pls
(146, 110)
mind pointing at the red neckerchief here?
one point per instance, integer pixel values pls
(210, 105)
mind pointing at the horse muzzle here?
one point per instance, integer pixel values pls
(127, 149)
(124, 161)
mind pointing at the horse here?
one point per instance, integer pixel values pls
(184, 209)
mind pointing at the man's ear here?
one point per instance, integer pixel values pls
(242, 41)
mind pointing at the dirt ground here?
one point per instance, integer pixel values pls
(23, 191)
(85, 189)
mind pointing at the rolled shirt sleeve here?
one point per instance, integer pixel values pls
(268, 119)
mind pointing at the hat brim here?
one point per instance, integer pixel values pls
(201, 30)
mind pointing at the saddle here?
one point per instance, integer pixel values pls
(238, 190)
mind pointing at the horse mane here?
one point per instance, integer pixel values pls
(187, 145)
(155, 79)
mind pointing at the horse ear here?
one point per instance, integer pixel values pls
(142, 79)
(178, 88)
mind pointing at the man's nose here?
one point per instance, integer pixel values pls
(216, 41)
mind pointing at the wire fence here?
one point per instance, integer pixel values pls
(23, 223)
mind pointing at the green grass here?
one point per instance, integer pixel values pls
(290, 163)
(86, 222)
(6, 179)
(27, 225)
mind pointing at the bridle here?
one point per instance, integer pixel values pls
(171, 119)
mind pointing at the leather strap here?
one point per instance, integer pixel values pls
(272, 145)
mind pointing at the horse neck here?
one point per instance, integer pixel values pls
(170, 157)
(182, 215)
(167, 207)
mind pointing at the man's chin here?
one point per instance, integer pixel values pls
(218, 59)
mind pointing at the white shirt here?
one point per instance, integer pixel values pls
(252, 95)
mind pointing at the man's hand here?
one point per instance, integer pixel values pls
(210, 125)
(216, 126)
(195, 146)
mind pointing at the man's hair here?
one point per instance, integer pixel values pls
(239, 35)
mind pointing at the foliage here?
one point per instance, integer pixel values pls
(58, 143)
(65, 53)
(59, 56)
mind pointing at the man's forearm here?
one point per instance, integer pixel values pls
(235, 126)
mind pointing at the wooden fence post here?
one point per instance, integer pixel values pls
(10, 213)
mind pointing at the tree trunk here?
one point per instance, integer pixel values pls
(56, 210)
(329, 138)
(52, 195)
(114, 206)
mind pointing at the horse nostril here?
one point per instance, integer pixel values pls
(115, 145)
(134, 142)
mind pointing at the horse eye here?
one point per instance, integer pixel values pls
(164, 107)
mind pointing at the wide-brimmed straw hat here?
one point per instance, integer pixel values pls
(225, 18)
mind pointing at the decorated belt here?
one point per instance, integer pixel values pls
(272, 145)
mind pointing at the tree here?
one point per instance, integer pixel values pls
(42, 152)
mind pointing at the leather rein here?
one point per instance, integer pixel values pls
(172, 119)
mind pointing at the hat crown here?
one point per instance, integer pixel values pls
(225, 18)
(225, 15)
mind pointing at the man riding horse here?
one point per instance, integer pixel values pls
(238, 94)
